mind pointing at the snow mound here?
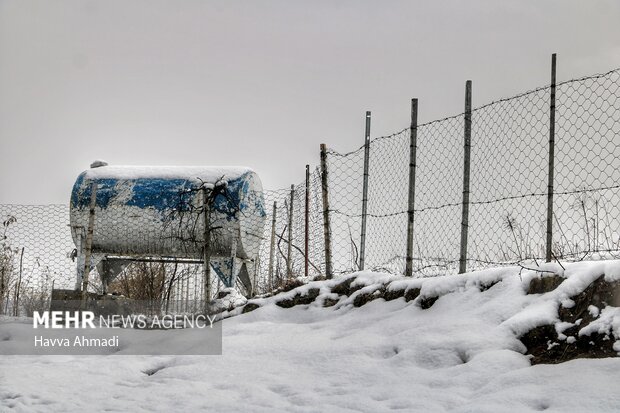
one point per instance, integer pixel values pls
(551, 308)
(364, 342)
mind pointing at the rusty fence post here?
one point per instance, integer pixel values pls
(551, 161)
(466, 171)
(289, 252)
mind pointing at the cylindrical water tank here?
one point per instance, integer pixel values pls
(159, 211)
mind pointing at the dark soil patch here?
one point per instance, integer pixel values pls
(412, 294)
(599, 294)
(543, 342)
(545, 347)
(427, 302)
(343, 288)
(362, 299)
(544, 284)
(487, 285)
(330, 302)
(249, 307)
(390, 295)
(299, 299)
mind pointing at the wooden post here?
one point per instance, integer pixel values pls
(307, 221)
(89, 242)
(365, 192)
(551, 161)
(466, 169)
(289, 252)
(272, 246)
(413, 143)
(206, 253)
(327, 232)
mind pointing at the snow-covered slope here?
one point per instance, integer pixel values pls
(454, 347)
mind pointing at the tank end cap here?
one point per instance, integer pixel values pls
(97, 163)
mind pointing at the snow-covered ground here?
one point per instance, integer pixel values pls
(462, 354)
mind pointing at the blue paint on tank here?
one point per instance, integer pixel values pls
(163, 195)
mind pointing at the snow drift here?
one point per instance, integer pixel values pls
(363, 342)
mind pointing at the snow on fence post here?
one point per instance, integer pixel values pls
(413, 139)
(289, 252)
(89, 242)
(327, 232)
(551, 161)
(272, 246)
(466, 169)
(307, 221)
(365, 191)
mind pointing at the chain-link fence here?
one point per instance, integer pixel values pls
(288, 232)
(508, 200)
(508, 191)
(35, 246)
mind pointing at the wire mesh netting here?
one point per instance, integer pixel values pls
(275, 256)
(587, 200)
(35, 250)
(387, 204)
(508, 184)
(507, 216)
(509, 165)
(439, 180)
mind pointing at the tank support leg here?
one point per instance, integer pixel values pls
(233, 262)
(109, 269)
(79, 262)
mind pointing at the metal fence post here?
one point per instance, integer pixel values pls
(466, 168)
(89, 241)
(365, 192)
(307, 221)
(413, 139)
(551, 161)
(272, 247)
(327, 233)
(289, 252)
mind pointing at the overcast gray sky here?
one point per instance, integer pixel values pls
(260, 83)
